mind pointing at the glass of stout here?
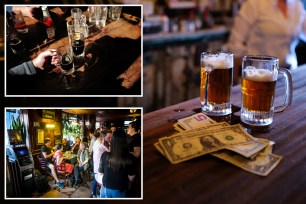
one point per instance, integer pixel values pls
(66, 59)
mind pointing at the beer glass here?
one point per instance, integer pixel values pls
(65, 59)
(259, 76)
(216, 82)
(115, 12)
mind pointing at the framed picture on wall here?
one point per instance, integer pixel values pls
(40, 136)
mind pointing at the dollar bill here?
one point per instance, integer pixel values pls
(261, 165)
(195, 121)
(159, 148)
(247, 150)
(178, 128)
(207, 127)
(190, 144)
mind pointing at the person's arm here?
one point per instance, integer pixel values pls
(243, 23)
(72, 149)
(59, 160)
(86, 158)
(26, 68)
(47, 155)
(40, 62)
(136, 152)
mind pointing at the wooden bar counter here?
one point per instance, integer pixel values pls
(207, 179)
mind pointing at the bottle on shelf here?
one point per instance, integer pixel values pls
(165, 23)
(48, 22)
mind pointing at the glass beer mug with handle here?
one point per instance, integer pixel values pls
(259, 76)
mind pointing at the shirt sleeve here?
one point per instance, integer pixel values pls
(26, 68)
(243, 23)
(303, 18)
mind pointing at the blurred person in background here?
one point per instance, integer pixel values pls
(268, 27)
(117, 168)
(76, 146)
(97, 150)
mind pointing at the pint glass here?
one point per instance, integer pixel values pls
(259, 76)
(216, 82)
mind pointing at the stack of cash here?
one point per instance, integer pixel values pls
(199, 135)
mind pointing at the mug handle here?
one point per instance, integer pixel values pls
(289, 90)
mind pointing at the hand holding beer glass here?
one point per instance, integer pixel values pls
(259, 76)
(216, 83)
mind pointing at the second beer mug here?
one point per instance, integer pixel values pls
(216, 83)
(259, 76)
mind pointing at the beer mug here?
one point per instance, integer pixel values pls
(216, 83)
(259, 76)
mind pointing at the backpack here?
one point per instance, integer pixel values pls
(41, 182)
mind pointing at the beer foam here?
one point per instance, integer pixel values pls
(219, 61)
(264, 75)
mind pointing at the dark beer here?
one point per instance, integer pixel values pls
(78, 47)
(66, 62)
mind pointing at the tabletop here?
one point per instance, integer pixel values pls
(70, 158)
(112, 59)
(209, 180)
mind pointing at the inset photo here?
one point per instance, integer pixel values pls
(73, 50)
(73, 153)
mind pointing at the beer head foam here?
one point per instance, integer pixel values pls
(219, 61)
(264, 75)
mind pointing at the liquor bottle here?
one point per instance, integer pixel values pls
(48, 22)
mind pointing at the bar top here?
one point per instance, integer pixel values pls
(161, 39)
(208, 179)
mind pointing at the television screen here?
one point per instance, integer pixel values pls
(21, 152)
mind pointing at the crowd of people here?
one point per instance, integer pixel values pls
(111, 157)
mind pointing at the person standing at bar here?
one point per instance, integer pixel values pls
(117, 168)
(268, 27)
(134, 148)
(134, 139)
(98, 149)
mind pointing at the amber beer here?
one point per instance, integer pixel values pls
(219, 85)
(257, 96)
(215, 99)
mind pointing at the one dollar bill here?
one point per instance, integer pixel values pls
(190, 144)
